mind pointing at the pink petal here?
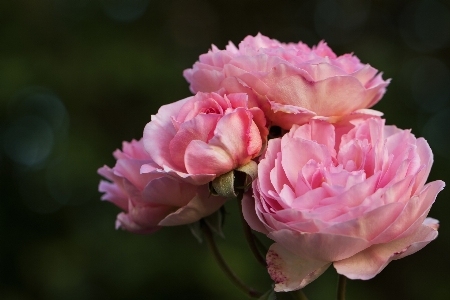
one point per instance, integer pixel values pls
(168, 191)
(125, 222)
(368, 263)
(286, 116)
(232, 135)
(133, 150)
(369, 225)
(201, 158)
(254, 141)
(297, 152)
(159, 132)
(337, 95)
(130, 169)
(238, 99)
(201, 205)
(319, 246)
(199, 128)
(250, 216)
(365, 74)
(143, 218)
(426, 158)
(204, 80)
(291, 272)
(414, 211)
(196, 179)
(113, 194)
(321, 71)
(244, 78)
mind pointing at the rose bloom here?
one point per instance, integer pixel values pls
(152, 200)
(290, 82)
(201, 137)
(357, 199)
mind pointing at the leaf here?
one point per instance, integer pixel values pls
(215, 222)
(269, 295)
(196, 231)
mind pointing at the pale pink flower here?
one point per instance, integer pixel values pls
(152, 200)
(201, 137)
(357, 202)
(290, 82)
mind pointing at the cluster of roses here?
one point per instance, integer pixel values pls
(333, 184)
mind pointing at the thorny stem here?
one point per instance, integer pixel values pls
(341, 287)
(223, 265)
(251, 238)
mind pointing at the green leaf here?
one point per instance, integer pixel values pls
(269, 295)
(196, 231)
(215, 222)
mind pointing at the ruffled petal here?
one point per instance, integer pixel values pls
(291, 272)
(368, 263)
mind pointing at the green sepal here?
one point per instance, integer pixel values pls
(224, 185)
(196, 231)
(251, 173)
(216, 221)
(233, 184)
(269, 295)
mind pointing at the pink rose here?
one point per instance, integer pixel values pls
(201, 137)
(358, 202)
(290, 82)
(152, 200)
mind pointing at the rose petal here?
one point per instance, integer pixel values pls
(319, 246)
(368, 263)
(200, 206)
(291, 272)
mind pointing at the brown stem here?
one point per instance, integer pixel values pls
(341, 287)
(223, 265)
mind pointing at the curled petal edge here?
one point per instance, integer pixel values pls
(291, 272)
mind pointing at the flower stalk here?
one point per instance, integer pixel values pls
(341, 287)
(224, 266)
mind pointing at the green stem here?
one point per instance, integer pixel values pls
(341, 287)
(223, 265)
(299, 295)
(251, 238)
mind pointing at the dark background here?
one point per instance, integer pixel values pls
(77, 77)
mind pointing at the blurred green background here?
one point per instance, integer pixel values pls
(77, 77)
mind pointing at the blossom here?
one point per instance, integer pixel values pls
(357, 202)
(292, 83)
(152, 200)
(201, 137)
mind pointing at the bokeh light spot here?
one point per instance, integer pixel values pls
(28, 140)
